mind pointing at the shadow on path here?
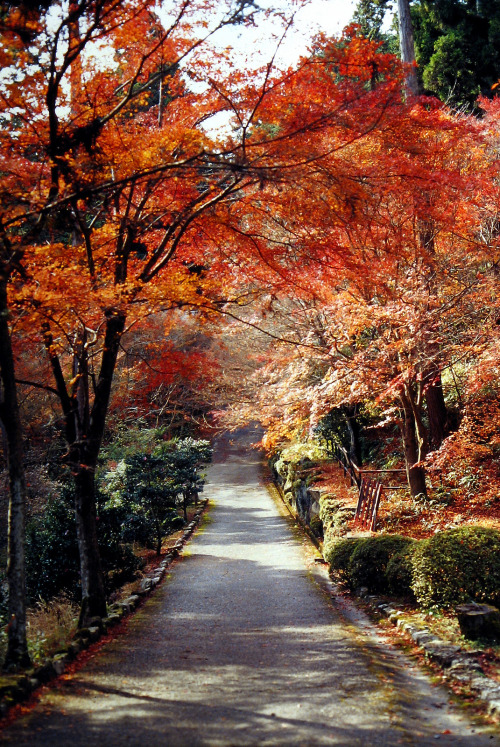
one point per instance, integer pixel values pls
(241, 647)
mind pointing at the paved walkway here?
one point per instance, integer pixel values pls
(241, 647)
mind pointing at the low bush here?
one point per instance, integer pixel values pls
(338, 554)
(456, 566)
(368, 562)
(399, 571)
(119, 562)
(52, 558)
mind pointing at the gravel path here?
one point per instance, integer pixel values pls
(241, 647)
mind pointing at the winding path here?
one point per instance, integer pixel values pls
(240, 646)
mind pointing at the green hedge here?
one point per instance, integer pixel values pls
(399, 571)
(452, 567)
(369, 560)
(363, 561)
(457, 566)
(338, 555)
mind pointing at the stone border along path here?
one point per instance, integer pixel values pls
(457, 663)
(242, 645)
(16, 688)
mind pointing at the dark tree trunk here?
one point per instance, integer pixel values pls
(407, 46)
(354, 431)
(439, 426)
(17, 649)
(415, 475)
(91, 576)
(84, 430)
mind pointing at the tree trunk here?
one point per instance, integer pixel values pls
(353, 429)
(17, 648)
(439, 426)
(415, 475)
(407, 46)
(91, 576)
(84, 431)
(93, 589)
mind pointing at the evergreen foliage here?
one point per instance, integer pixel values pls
(146, 488)
(370, 16)
(369, 560)
(449, 568)
(457, 48)
(338, 555)
(457, 44)
(398, 572)
(52, 560)
(456, 566)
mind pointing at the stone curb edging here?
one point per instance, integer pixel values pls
(14, 689)
(457, 663)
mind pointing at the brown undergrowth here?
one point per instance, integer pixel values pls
(419, 518)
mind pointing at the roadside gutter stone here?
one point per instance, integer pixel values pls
(458, 664)
(124, 606)
(145, 585)
(67, 652)
(74, 648)
(132, 601)
(423, 637)
(442, 652)
(112, 619)
(96, 622)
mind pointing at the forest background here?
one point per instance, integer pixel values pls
(324, 261)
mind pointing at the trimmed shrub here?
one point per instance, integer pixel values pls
(399, 571)
(456, 566)
(338, 555)
(368, 562)
(119, 562)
